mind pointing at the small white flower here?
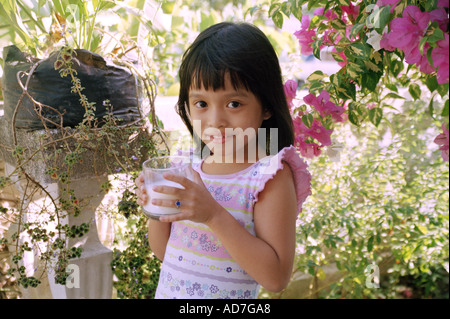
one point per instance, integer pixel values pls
(374, 39)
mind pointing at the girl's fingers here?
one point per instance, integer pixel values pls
(142, 199)
(169, 190)
(173, 218)
(172, 203)
(186, 182)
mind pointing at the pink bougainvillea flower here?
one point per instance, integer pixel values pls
(300, 129)
(406, 34)
(330, 14)
(290, 90)
(351, 10)
(413, 56)
(443, 3)
(443, 140)
(324, 106)
(305, 36)
(308, 150)
(407, 30)
(440, 56)
(320, 133)
(441, 16)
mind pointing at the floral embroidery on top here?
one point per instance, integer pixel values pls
(220, 194)
(187, 288)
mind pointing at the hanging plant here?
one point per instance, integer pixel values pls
(91, 97)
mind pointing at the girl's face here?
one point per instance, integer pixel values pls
(227, 120)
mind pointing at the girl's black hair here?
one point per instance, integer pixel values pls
(246, 54)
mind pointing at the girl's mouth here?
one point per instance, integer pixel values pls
(219, 139)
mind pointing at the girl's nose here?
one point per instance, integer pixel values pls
(216, 118)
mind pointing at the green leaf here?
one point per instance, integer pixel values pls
(382, 18)
(392, 95)
(431, 107)
(286, 8)
(415, 91)
(396, 67)
(375, 115)
(277, 18)
(352, 114)
(317, 87)
(316, 48)
(445, 109)
(346, 89)
(431, 82)
(296, 8)
(369, 80)
(391, 87)
(372, 66)
(316, 75)
(422, 43)
(370, 244)
(356, 29)
(337, 57)
(429, 57)
(436, 33)
(253, 9)
(443, 89)
(308, 119)
(338, 24)
(354, 71)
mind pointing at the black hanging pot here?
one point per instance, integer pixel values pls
(101, 81)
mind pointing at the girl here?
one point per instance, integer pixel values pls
(236, 226)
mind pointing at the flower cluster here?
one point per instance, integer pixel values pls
(310, 139)
(407, 33)
(330, 36)
(361, 37)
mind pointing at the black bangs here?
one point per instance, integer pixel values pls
(210, 69)
(215, 79)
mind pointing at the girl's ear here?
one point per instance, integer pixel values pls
(267, 115)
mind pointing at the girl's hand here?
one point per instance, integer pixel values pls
(197, 204)
(141, 193)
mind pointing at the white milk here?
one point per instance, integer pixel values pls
(153, 210)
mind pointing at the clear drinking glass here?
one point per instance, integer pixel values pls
(154, 169)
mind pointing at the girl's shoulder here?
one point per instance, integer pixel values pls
(269, 166)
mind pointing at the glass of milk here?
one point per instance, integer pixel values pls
(153, 170)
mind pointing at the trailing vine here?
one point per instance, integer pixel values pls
(116, 147)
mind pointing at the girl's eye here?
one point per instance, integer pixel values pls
(233, 104)
(200, 104)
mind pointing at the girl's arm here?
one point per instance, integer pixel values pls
(158, 232)
(158, 236)
(268, 257)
